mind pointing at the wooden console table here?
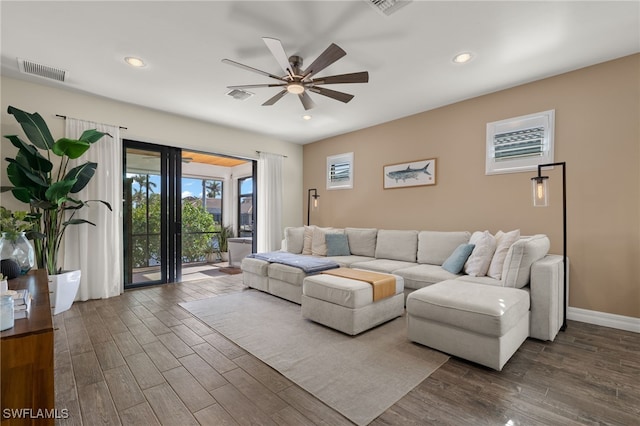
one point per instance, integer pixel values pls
(26, 353)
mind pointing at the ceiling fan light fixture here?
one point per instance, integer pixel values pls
(462, 58)
(295, 88)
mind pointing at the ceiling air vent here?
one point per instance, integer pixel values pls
(388, 7)
(29, 67)
(239, 94)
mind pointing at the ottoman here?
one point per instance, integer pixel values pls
(347, 305)
(481, 323)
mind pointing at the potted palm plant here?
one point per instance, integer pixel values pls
(48, 185)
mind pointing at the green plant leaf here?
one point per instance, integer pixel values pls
(92, 135)
(42, 204)
(22, 194)
(57, 192)
(72, 148)
(77, 222)
(83, 174)
(36, 160)
(34, 127)
(19, 170)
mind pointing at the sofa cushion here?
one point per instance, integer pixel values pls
(347, 261)
(434, 247)
(286, 273)
(487, 310)
(319, 241)
(521, 255)
(455, 262)
(337, 244)
(478, 263)
(481, 280)
(504, 240)
(382, 265)
(362, 241)
(294, 239)
(255, 266)
(418, 276)
(397, 245)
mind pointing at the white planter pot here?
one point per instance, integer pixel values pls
(63, 289)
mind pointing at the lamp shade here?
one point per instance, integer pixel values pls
(540, 191)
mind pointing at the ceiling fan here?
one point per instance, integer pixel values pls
(298, 81)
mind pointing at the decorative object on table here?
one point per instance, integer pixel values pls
(415, 173)
(541, 199)
(47, 189)
(13, 242)
(6, 311)
(316, 203)
(4, 285)
(9, 268)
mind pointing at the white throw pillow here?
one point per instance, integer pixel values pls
(294, 239)
(319, 242)
(478, 263)
(504, 240)
(308, 239)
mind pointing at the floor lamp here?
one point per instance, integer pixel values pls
(315, 197)
(541, 199)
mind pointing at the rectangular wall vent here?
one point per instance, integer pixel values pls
(388, 7)
(239, 94)
(29, 67)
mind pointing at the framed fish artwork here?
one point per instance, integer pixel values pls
(415, 173)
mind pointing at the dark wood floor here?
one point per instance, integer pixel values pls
(140, 359)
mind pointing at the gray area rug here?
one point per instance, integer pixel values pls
(360, 376)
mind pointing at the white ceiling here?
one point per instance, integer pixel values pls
(408, 54)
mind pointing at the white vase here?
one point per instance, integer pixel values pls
(63, 289)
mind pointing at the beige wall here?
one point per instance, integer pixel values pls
(146, 125)
(598, 135)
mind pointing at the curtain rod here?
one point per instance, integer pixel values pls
(65, 117)
(260, 152)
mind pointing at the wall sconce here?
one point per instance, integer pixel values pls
(541, 199)
(316, 202)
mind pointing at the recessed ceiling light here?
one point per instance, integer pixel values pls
(134, 62)
(306, 117)
(462, 58)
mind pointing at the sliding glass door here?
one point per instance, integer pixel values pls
(152, 214)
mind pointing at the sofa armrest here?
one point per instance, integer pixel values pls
(547, 295)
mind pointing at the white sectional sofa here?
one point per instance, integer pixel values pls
(519, 265)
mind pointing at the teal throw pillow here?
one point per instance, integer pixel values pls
(455, 262)
(337, 245)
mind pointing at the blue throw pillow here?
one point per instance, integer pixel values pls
(455, 262)
(337, 245)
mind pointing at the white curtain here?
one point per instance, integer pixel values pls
(97, 250)
(269, 202)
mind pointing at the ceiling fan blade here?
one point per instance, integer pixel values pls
(253, 86)
(276, 98)
(275, 46)
(356, 77)
(248, 68)
(306, 100)
(326, 58)
(333, 94)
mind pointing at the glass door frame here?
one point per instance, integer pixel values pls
(170, 212)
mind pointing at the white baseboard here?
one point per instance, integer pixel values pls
(604, 319)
